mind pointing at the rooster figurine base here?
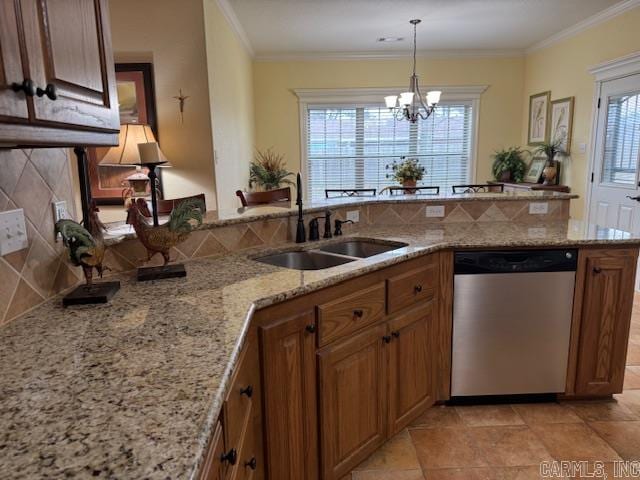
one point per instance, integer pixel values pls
(175, 270)
(90, 295)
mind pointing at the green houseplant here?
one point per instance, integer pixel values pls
(267, 170)
(508, 165)
(407, 172)
(551, 150)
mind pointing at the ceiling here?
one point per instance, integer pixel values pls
(321, 27)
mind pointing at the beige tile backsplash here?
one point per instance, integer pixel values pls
(32, 179)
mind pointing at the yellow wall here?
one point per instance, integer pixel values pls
(230, 75)
(276, 106)
(171, 35)
(562, 68)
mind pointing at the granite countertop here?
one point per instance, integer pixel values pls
(118, 231)
(131, 389)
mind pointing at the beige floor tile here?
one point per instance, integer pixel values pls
(632, 378)
(633, 354)
(440, 416)
(624, 437)
(507, 473)
(510, 446)
(546, 413)
(397, 454)
(602, 411)
(446, 447)
(489, 415)
(574, 442)
(630, 399)
(389, 475)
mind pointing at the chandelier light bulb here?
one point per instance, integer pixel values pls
(433, 97)
(406, 98)
(390, 101)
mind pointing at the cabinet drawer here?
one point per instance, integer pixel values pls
(411, 287)
(350, 313)
(238, 404)
(213, 467)
(248, 464)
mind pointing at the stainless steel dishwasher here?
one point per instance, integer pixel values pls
(511, 321)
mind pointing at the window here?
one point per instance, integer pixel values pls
(352, 145)
(622, 140)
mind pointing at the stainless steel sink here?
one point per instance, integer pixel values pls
(306, 260)
(361, 248)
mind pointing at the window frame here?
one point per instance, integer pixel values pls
(340, 98)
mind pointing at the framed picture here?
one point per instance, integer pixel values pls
(136, 99)
(539, 118)
(534, 173)
(562, 122)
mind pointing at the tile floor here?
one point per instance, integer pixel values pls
(508, 442)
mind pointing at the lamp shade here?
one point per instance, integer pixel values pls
(150, 154)
(127, 153)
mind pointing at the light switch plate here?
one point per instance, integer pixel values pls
(538, 208)
(353, 215)
(13, 231)
(59, 210)
(434, 211)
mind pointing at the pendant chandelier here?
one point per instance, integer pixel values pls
(411, 105)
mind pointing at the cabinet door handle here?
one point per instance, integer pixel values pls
(252, 464)
(358, 313)
(597, 270)
(311, 328)
(231, 457)
(247, 391)
(417, 288)
(386, 339)
(49, 91)
(395, 334)
(26, 87)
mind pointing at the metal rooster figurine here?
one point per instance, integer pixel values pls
(162, 238)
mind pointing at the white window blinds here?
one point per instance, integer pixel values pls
(622, 140)
(351, 146)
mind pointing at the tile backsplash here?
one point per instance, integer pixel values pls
(31, 180)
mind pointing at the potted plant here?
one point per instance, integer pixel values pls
(551, 150)
(508, 165)
(407, 172)
(267, 170)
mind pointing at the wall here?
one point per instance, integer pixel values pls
(230, 74)
(171, 35)
(31, 180)
(563, 69)
(276, 106)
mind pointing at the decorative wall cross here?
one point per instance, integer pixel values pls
(181, 99)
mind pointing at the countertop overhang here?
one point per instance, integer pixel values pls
(131, 389)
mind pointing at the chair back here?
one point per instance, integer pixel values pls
(479, 188)
(349, 192)
(415, 190)
(249, 199)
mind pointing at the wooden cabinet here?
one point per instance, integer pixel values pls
(605, 302)
(410, 366)
(353, 384)
(290, 405)
(60, 51)
(214, 468)
(412, 287)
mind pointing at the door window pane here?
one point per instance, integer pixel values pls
(622, 140)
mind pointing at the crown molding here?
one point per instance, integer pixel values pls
(598, 18)
(618, 67)
(232, 19)
(369, 95)
(325, 56)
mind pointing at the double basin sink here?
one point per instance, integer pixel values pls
(330, 255)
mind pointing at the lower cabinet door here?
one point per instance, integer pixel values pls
(214, 468)
(606, 313)
(352, 401)
(410, 366)
(290, 405)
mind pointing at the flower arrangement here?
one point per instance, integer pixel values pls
(408, 170)
(508, 165)
(268, 171)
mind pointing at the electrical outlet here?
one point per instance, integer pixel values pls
(353, 215)
(537, 232)
(538, 208)
(59, 210)
(582, 147)
(13, 231)
(434, 211)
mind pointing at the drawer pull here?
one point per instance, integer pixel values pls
(395, 334)
(231, 457)
(386, 339)
(311, 328)
(26, 87)
(252, 464)
(49, 91)
(417, 288)
(358, 313)
(247, 391)
(597, 270)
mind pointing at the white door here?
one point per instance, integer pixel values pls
(615, 187)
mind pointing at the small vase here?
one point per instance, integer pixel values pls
(505, 176)
(549, 173)
(409, 183)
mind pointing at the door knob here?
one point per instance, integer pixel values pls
(637, 199)
(49, 91)
(417, 288)
(396, 334)
(252, 464)
(386, 339)
(247, 391)
(231, 456)
(358, 313)
(311, 328)
(597, 270)
(26, 86)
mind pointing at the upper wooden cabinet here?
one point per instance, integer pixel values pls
(57, 79)
(606, 302)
